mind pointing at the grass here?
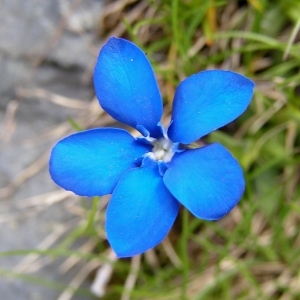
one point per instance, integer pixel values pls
(254, 252)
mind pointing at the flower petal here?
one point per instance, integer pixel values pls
(90, 163)
(140, 213)
(207, 101)
(208, 181)
(126, 86)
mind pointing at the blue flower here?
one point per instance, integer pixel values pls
(150, 176)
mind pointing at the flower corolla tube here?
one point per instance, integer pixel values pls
(150, 176)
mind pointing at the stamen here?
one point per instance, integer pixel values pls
(162, 150)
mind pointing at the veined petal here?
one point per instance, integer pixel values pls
(90, 163)
(208, 181)
(126, 86)
(140, 213)
(207, 101)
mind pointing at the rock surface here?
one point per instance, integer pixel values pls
(50, 45)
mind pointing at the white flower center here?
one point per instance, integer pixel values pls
(162, 150)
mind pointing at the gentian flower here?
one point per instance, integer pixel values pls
(150, 176)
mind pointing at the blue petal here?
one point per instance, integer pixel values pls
(207, 101)
(126, 86)
(140, 213)
(208, 181)
(90, 163)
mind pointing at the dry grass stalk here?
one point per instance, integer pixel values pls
(103, 275)
(132, 277)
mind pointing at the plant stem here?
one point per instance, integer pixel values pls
(184, 253)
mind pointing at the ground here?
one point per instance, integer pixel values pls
(47, 48)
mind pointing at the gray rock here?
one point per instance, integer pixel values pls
(62, 35)
(26, 26)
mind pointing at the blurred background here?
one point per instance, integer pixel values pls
(52, 243)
